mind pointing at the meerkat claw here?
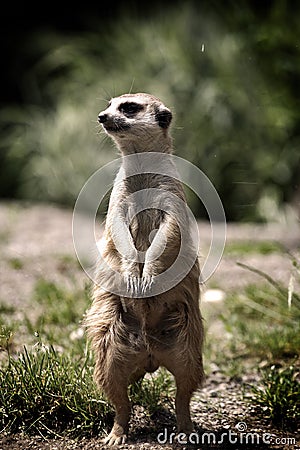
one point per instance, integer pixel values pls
(146, 283)
(133, 285)
(114, 439)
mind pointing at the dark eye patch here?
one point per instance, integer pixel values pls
(130, 108)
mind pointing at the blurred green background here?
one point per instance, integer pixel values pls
(229, 70)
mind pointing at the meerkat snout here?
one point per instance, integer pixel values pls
(102, 117)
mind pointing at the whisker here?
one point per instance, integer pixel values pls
(131, 87)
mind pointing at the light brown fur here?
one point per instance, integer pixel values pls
(132, 336)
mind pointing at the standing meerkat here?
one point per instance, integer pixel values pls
(145, 314)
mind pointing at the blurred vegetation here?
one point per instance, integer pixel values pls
(230, 72)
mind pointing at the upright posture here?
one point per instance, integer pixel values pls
(145, 310)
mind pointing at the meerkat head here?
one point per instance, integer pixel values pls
(137, 122)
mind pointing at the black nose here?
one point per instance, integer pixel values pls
(102, 118)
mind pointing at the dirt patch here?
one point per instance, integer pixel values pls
(222, 419)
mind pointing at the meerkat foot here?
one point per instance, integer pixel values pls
(185, 425)
(115, 439)
(117, 435)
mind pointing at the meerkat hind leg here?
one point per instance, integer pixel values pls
(184, 391)
(118, 396)
(182, 405)
(118, 434)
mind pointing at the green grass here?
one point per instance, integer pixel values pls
(263, 319)
(60, 306)
(279, 396)
(47, 392)
(47, 387)
(153, 391)
(250, 247)
(6, 337)
(6, 309)
(57, 312)
(50, 393)
(7, 326)
(16, 263)
(262, 326)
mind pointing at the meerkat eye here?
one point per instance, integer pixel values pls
(130, 108)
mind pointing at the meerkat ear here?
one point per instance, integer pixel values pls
(163, 116)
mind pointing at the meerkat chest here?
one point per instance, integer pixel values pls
(143, 205)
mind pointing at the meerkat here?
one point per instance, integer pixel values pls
(148, 322)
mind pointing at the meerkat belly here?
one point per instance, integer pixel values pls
(152, 330)
(149, 344)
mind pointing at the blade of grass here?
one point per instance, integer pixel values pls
(282, 291)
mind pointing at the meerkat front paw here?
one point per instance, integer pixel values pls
(133, 284)
(148, 278)
(146, 282)
(131, 276)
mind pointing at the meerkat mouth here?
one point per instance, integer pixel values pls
(115, 128)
